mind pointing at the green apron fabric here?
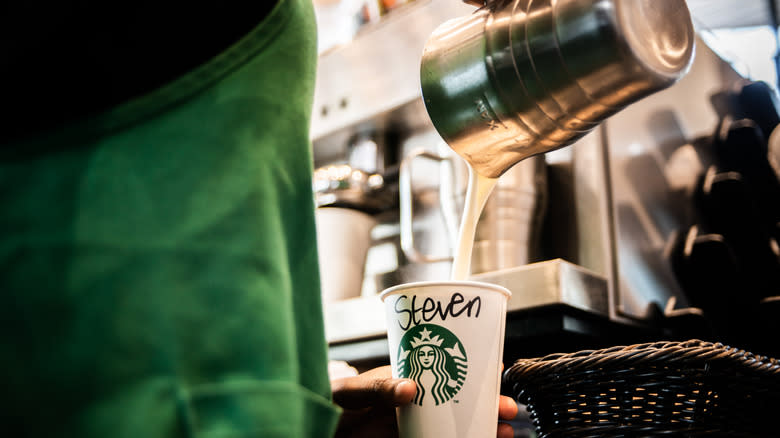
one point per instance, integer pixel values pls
(158, 262)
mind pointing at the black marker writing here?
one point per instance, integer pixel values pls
(430, 309)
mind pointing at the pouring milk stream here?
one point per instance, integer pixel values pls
(512, 80)
(508, 82)
(477, 194)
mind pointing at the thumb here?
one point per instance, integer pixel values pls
(373, 388)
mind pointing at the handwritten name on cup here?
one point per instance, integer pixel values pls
(411, 312)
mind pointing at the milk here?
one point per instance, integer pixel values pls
(458, 327)
(477, 193)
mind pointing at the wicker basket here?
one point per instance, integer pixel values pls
(691, 388)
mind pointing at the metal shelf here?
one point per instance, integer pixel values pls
(549, 298)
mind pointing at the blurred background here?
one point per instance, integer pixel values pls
(662, 223)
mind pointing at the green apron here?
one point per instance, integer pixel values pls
(158, 263)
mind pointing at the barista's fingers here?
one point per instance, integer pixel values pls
(372, 388)
(359, 393)
(505, 431)
(507, 408)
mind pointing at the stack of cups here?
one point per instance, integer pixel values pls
(523, 77)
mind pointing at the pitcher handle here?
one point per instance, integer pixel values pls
(407, 210)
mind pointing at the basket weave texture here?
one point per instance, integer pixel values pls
(690, 388)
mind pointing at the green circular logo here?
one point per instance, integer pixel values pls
(434, 358)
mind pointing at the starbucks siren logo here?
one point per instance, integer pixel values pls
(434, 358)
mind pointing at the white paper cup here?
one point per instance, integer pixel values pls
(343, 241)
(449, 338)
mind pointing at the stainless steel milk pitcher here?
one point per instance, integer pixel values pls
(523, 77)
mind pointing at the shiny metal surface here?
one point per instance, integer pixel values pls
(512, 67)
(420, 240)
(379, 70)
(524, 77)
(509, 228)
(540, 284)
(653, 162)
(624, 177)
(464, 106)
(341, 185)
(526, 69)
(551, 282)
(619, 51)
(550, 70)
(406, 210)
(431, 231)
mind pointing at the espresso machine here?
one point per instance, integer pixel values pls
(584, 236)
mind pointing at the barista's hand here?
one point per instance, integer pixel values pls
(369, 402)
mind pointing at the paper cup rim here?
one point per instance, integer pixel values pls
(494, 287)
